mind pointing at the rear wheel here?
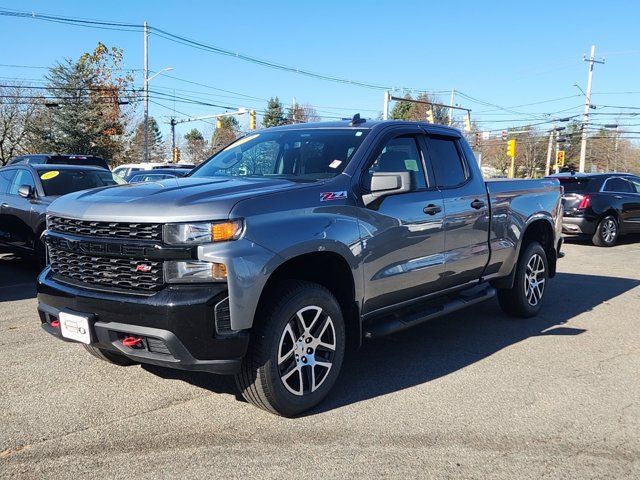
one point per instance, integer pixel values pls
(110, 357)
(296, 350)
(607, 232)
(524, 298)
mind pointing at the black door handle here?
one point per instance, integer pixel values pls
(477, 204)
(432, 209)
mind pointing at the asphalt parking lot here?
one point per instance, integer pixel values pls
(472, 395)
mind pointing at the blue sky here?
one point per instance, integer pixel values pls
(504, 53)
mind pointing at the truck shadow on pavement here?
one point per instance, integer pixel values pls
(17, 278)
(445, 345)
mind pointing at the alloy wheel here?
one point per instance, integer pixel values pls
(534, 280)
(609, 230)
(306, 350)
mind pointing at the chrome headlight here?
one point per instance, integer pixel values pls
(202, 232)
(194, 271)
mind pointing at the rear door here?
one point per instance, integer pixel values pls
(466, 207)
(626, 200)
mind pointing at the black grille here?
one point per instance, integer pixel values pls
(139, 231)
(107, 272)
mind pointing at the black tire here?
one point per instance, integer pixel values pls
(520, 301)
(109, 357)
(607, 232)
(262, 381)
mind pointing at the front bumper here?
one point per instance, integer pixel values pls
(185, 327)
(578, 226)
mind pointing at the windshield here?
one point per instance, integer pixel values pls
(302, 155)
(61, 182)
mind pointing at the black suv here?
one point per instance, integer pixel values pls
(602, 205)
(60, 159)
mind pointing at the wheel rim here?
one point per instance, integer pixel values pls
(306, 350)
(609, 230)
(534, 280)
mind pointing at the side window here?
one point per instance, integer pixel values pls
(617, 184)
(401, 154)
(635, 184)
(6, 177)
(22, 178)
(448, 166)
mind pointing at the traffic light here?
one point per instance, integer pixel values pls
(430, 115)
(477, 144)
(560, 158)
(176, 155)
(511, 148)
(252, 120)
(218, 122)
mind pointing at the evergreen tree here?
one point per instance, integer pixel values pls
(196, 146)
(84, 116)
(135, 152)
(274, 114)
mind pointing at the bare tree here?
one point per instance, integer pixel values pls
(16, 111)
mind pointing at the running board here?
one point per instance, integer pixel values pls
(409, 317)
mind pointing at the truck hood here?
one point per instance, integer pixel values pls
(171, 200)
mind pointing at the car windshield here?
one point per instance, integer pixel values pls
(61, 182)
(575, 185)
(299, 155)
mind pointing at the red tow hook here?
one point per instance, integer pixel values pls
(55, 323)
(132, 342)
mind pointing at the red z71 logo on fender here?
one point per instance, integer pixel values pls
(327, 196)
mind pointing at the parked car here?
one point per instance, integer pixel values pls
(156, 174)
(125, 170)
(602, 206)
(277, 251)
(26, 190)
(59, 159)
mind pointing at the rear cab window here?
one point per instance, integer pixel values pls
(576, 185)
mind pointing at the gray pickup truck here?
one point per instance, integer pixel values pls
(290, 244)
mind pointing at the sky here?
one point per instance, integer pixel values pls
(500, 56)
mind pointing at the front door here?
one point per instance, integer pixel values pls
(17, 211)
(402, 234)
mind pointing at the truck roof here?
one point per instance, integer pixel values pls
(366, 125)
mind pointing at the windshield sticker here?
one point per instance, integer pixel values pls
(335, 164)
(411, 165)
(49, 175)
(246, 139)
(328, 196)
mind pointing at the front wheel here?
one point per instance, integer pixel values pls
(296, 350)
(607, 232)
(524, 298)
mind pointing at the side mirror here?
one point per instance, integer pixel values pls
(387, 183)
(26, 191)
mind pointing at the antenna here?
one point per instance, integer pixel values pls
(356, 120)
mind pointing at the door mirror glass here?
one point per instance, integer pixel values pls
(26, 191)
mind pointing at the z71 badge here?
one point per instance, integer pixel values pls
(327, 196)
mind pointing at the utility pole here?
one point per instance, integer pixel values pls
(547, 169)
(385, 108)
(587, 107)
(146, 92)
(453, 99)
